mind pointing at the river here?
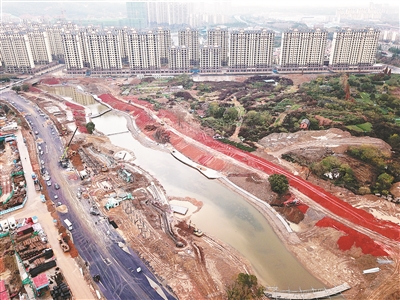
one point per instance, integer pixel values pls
(225, 215)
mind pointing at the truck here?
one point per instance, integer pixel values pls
(5, 226)
(12, 223)
(36, 182)
(69, 224)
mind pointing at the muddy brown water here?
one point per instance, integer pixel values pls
(224, 215)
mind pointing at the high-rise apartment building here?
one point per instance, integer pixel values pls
(251, 50)
(164, 43)
(179, 59)
(143, 51)
(190, 38)
(302, 49)
(123, 42)
(40, 46)
(16, 52)
(219, 37)
(32, 46)
(103, 51)
(354, 48)
(73, 53)
(56, 47)
(210, 59)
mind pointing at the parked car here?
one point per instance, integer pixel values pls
(56, 186)
(48, 183)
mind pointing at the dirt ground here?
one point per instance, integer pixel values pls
(330, 264)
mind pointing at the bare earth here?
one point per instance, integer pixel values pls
(201, 269)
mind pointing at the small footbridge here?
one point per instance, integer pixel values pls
(115, 133)
(100, 114)
(307, 294)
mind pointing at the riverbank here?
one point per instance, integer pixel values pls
(308, 240)
(329, 263)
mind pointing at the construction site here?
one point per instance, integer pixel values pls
(193, 264)
(12, 189)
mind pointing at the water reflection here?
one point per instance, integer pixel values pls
(68, 91)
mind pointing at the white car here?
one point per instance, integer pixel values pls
(139, 269)
(49, 183)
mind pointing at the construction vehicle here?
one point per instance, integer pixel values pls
(125, 175)
(292, 202)
(36, 182)
(64, 246)
(196, 231)
(64, 157)
(113, 202)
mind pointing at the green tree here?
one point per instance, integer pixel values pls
(394, 140)
(25, 87)
(231, 114)
(384, 182)
(245, 287)
(90, 127)
(279, 183)
(204, 88)
(16, 88)
(213, 108)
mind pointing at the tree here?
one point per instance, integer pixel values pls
(279, 183)
(25, 87)
(231, 114)
(16, 88)
(90, 127)
(245, 287)
(384, 181)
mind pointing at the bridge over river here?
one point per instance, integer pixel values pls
(101, 113)
(308, 294)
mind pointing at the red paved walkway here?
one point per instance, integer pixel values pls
(317, 194)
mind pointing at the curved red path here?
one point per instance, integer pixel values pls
(316, 193)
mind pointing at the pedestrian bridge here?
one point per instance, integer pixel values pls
(100, 114)
(307, 294)
(115, 133)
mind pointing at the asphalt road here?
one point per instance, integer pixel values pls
(96, 241)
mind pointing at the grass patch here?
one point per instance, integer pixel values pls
(365, 127)
(238, 145)
(365, 98)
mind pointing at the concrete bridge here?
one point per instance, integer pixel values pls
(307, 294)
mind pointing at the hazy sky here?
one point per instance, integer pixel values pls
(116, 9)
(236, 2)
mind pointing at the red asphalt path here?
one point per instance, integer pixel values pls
(316, 193)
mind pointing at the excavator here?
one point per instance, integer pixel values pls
(64, 157)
